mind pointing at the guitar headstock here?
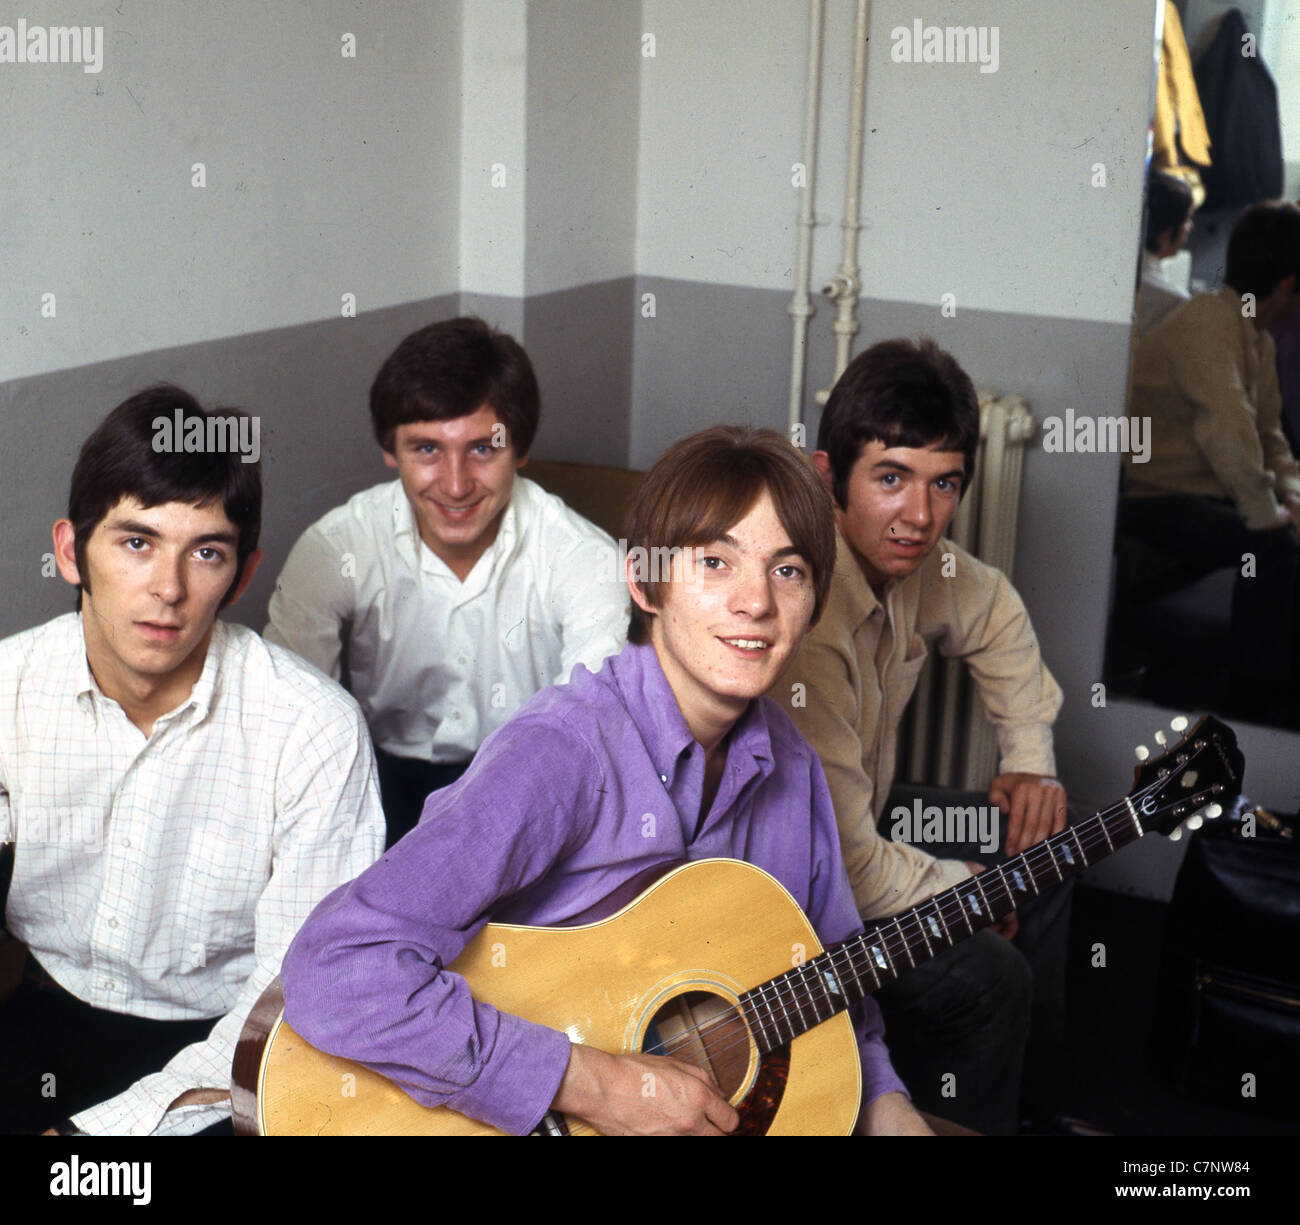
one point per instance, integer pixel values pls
(1196, 778)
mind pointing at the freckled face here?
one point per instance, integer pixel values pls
(733, 614)
(900, 501)
(458, 478)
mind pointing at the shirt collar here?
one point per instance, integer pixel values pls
(663, 727)
(406, 529)
(852, 583)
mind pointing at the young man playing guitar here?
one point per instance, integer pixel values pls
(668, 753)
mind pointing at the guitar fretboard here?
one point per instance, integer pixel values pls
(814, 991)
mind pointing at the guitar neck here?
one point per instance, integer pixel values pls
(814, 991)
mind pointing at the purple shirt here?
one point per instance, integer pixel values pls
(550, 819)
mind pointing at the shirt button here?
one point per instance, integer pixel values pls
(112, 922)
(108, 984)
(126, 842)
(455, 714)
(663, 778)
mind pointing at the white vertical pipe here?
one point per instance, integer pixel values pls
(845, 285)
(801, 307)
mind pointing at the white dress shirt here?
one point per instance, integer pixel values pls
(437, 664)
(165, 876)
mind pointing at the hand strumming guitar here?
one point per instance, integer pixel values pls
(613, 1094)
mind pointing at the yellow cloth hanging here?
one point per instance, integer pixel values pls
(1180, 136)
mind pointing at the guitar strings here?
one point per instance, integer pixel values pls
(1095, 836)
(786, 990)
(785, 995)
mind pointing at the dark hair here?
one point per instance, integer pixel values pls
(702, 486)
(905, 394)
(451, 369)
(121, 460)
(1169, 204)
(1264, 247)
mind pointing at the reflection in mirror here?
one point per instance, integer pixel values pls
(1207, 555)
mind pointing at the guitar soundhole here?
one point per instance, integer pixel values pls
(708, 1032)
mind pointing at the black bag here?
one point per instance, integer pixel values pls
(1227, 1027)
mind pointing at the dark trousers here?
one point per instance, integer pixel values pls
(957, 1025)
(1207, 535)
(405, 783)
(59, 1055)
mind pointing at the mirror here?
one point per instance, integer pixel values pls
(1204, 612)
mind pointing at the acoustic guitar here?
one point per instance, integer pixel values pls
(715, 964)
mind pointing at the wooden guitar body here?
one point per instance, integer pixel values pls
(669, 967)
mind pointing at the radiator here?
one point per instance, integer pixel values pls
(945, 738)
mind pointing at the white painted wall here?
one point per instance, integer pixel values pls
(325, 175)
(492, 173)
(976, 184)
(720, 124)
(584, 65)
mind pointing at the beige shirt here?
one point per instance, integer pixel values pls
(1207, 378)
(858, 667)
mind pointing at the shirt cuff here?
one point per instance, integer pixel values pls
(1259, 510)
(952, 872)
(1027, 749)
(142, 1110)
(878, 1075)
(517, 1084)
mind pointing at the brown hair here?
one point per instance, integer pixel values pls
(451, 369)
(705, 484)
(902, 393)
(121, 459)
(1264, 247)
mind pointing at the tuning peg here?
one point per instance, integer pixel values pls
(1214, 810)
(1161, 739)
(1195, 822)
(1179, 724)
(1142, 752)
(1178, 833)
